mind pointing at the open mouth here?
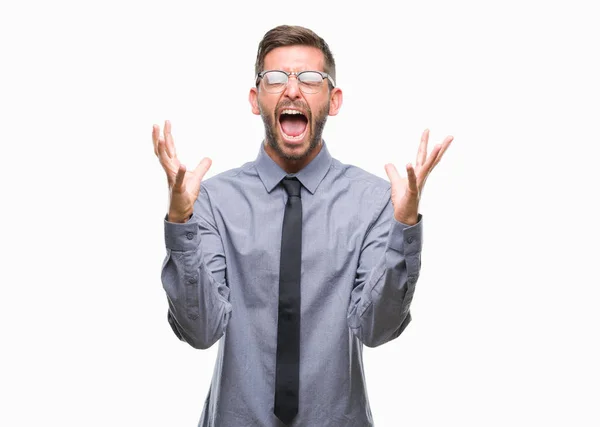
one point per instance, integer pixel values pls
(293, 124)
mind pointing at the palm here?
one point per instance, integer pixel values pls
(189, 189)
(406, 192)
(184, 186)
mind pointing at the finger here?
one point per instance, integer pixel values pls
(445, 145)
(431, 160)
(163, 157)
(179, 178)
(422, 154)
(155, 136)
(169, 140)
(412, 179)
(202, 168)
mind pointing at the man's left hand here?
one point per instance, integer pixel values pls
(406, 192)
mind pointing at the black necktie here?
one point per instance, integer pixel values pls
(288, 324)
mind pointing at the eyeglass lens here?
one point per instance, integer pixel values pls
(308, 81)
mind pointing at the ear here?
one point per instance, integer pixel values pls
(335, 97)
(253, 98)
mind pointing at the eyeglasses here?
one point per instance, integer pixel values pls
(275, 81)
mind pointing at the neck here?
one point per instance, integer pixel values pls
(292, 165)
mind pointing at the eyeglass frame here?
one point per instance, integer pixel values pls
(295, 73)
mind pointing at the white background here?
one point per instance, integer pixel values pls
(505, 317)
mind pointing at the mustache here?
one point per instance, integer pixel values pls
(289, 104)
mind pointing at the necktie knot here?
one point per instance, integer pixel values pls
(292, 186)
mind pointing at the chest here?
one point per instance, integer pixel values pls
(333, 229)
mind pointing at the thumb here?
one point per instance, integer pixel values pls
(202, 168)
(392, 174)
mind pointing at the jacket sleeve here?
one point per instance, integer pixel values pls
(193, 277)
(388, 269)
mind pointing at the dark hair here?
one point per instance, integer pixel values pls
(288, 35)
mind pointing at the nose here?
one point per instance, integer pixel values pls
(292, 90)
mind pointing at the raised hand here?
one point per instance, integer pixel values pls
(406, 192)
(184, 186)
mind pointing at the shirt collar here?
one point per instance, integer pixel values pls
(310, 175)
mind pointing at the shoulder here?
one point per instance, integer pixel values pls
(230, 178)
(359, 178)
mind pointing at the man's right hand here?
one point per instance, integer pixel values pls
(184, 186)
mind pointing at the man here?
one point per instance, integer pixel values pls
(295, 260)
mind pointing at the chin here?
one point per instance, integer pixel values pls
(294, 150)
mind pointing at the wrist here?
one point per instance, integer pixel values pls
(179, 219)
(407, 220)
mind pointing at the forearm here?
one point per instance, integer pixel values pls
(199, 305)
(380, 307)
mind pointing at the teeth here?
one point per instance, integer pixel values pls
(291, 112)
(294, 138)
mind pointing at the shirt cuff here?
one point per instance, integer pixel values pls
(182, 236)
(406, 239)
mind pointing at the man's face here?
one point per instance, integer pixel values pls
(294, 136)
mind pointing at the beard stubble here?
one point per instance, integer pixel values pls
(315, 135)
